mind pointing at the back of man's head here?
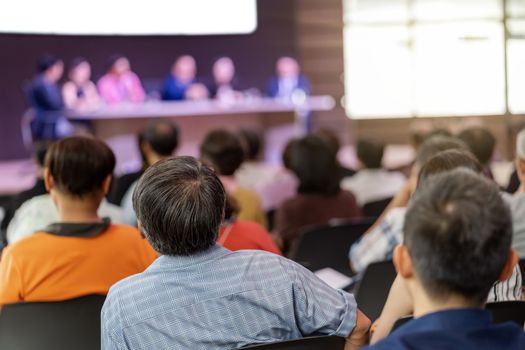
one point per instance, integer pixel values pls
(370, 153)
(458, 233)
(480, 141)
(251, 141)
(436, 144)
(179, 205)
(223, 150)
(79, 165)
(162, 136)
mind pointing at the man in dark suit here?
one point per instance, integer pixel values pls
(288, 79)
(45, 97)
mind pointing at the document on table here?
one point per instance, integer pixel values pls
(333, 278)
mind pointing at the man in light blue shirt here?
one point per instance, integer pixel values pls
(198, 295)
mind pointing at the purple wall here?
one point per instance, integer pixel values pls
(150, 57)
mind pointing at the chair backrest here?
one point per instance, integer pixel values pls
(376, 208)
(64, 325)
(311, 343)
(372, 291)
(401, 321)
(504, 311)
(328, 245)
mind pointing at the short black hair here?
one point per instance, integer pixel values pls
(224, 150)
(179, 204)
(162, 135)
(458, 232)
(47, 61)
(79, 165)
(315, 165)
(113, 59)
(446, 161)
(331, 139)
(370, 153)
(77, 61)
(252, 142)
(480, 141)
(436, 144)
(39, 151)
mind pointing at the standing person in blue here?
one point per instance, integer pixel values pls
(45, 97)
(200, 296)
(457, 242)
(291, 86)
(181, 82)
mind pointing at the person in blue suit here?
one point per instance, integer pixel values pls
(45, 97)
(288, 79)
(181, 83)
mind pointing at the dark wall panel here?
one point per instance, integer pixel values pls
(150, 57)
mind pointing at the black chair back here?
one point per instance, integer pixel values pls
(311, 343)
(372, 291)
(376, 208)
(64, 325)
(505, 311)
(328, 245)
(401, 321)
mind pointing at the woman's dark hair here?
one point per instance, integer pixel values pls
(480, 141)
(315, 165)
(251, 141)
(179, 204)
(75, 62)
(47, 61)
(448, 160)
(370, 153)
(79, 165)
(223, 149)
(112, 60)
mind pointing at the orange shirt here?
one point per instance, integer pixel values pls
(247, 235)
(49, 267)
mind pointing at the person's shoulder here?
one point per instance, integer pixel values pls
(126, 231)
(28, 244)
(249, 226)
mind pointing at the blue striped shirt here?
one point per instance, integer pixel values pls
(220, 299)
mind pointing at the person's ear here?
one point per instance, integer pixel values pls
(520, 166)
(508, 269)
(107, 184)
(403, 262)
(141, 230)
(48, 180)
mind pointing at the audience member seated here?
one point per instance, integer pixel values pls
(333, 142)
(236, 234)
(222, 151)
(378, 243)
(319, 197)
(457, 242)
(45, 98)
(199, 295)
(120, 84)
(516, 201)
(224, 86)
(372, 183)
(446, 161)
(39, 188)
(82, 253)
(80, 93)
(481, 143)
(288, 80)
(274, 184)
(159, 140)
(181, 83)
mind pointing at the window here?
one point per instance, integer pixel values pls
(424, 58)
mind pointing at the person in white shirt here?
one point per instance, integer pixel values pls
(516, 201)
(274, 184)
(372, 182)
(40, 212)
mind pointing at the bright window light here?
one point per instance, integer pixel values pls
(118, 17)
(430, 58)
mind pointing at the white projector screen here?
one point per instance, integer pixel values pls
(119, 17)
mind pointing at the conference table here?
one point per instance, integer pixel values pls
(278, 120)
